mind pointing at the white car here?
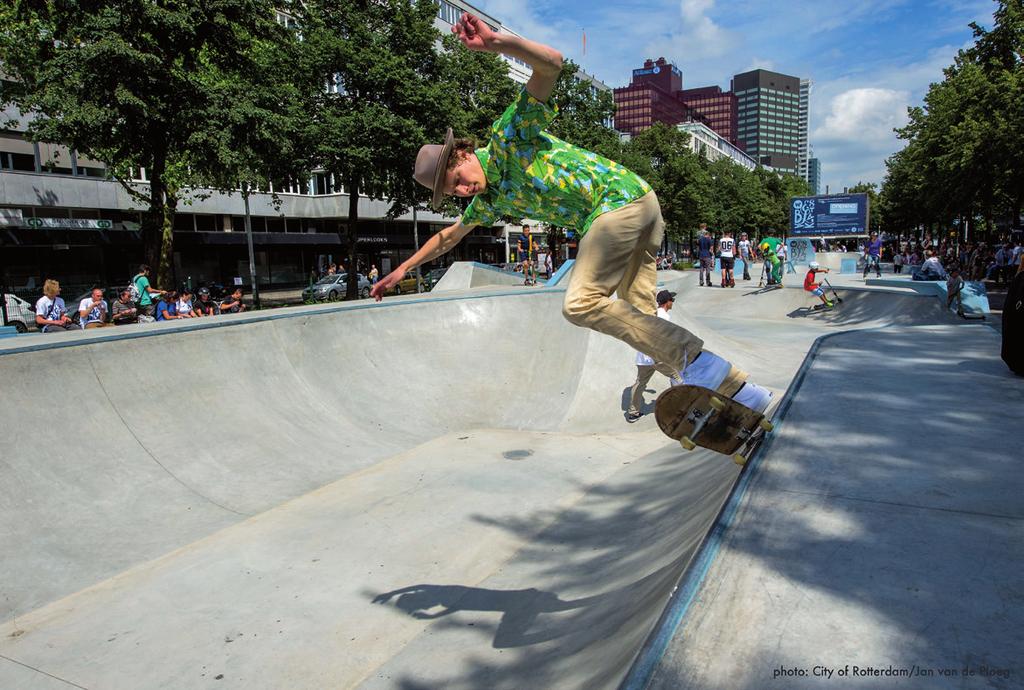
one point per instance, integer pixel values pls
(20, 314)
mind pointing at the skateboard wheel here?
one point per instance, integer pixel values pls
(739, 459)
(687, 443)
(717, 403)
(766, 425)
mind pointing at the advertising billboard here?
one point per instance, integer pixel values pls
(829, 215)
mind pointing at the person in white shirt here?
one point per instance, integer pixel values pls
(184, 305)
(746, 252)
(92, 311)
(645, 366)
(931, 269)
(51, 314)
(727, 255)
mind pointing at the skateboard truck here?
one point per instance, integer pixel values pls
(700, 420)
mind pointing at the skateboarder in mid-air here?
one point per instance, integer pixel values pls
(523, 171)
(813, 269)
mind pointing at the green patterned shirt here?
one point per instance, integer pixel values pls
(531, 174)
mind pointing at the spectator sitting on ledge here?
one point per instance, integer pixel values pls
(204, 305)
(185, 310)
(92, 311)
(931, 269)
(233, 304)
(124, 310)
(51, 314)
(167, 308)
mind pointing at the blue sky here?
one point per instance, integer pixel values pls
(868, 60)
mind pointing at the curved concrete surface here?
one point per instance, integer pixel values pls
(429, 492)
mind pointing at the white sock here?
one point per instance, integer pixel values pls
(753, 396)
(708, 370)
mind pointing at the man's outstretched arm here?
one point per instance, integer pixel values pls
(439, 244)
(545, 60)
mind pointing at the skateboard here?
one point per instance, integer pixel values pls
(698, 416)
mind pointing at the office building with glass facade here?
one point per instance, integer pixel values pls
(768, 105)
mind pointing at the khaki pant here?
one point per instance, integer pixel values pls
(644, 372)
(617, 255)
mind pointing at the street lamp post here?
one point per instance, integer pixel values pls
(416, 242)
(248, 239)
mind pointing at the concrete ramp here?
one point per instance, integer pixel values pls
(463, 275)
(430, 492)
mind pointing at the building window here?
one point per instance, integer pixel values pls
(448, 12)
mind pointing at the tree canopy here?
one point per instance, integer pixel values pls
(963, 152)
(164, 87)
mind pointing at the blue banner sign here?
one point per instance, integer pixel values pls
(831, 215)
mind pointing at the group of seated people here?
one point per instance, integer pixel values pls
(130, 307)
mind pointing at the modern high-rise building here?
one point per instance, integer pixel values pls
(814, 175)
(718, 107)
(803, 120)
(768, 105)
(651, 97)
(656, 94)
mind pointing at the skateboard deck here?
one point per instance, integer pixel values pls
(697, 416)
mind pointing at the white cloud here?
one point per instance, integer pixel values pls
(867, 114)
(857, 135)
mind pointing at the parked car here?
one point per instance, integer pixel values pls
(431, 278)
(408, 284)
(332, 288)
(20, 314)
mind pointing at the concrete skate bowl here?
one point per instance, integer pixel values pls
(434, 492)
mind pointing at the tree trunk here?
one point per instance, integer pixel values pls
(350, 238)
(152, 220)
(165, 274)
(158, 230)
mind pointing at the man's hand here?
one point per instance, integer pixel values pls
(475, 34)
(386, 283)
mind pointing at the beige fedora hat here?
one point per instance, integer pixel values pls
(431, 164)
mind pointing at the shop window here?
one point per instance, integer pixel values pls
(22, 161)
(206, 223)
(183, 222)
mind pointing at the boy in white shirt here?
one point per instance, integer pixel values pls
(645, 366)
(51, 314)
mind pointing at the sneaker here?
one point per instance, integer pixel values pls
(633, 416)
(829, 303)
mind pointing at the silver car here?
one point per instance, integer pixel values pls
(332, 288)
(20, 314)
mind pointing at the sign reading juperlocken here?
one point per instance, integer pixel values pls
(831, 215)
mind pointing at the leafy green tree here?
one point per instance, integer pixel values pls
(962, 159)
(481, 85)
(584, 113)
(662, 156)
(137, 84)
(385, 99)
